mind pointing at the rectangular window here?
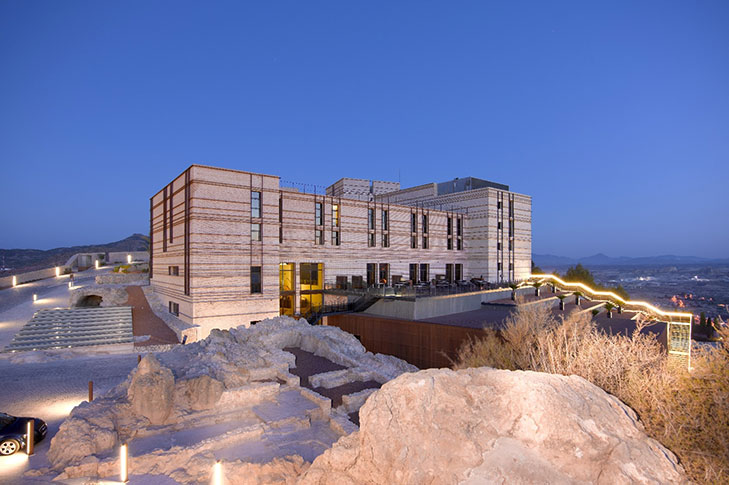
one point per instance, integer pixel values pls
(510, 245)
(255, 204)
(335, 238)
(311, 276)
(371, 239)
(450, 226)
(318, 236)
(498, 266)
(414, 242)
(318, 214)
(255, 279)
(450, 243)
(286, 277)
(385, 241)
(498, 225)
(280, 209)
(335, 215)
(280, 234)
(459, 227)
(174, 308)
(413, 272)
(371, 219)
(385, 222)
(425, 223)
(498, 246)
(425, 242)
(255, 231)
(424, 273)
(174, 270)
(459, 246)
(371, 274)
(498, 205)
(384, 273)
(413, 222)
(449, 273)
(459, 272)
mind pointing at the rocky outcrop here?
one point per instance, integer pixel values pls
(151, 390)
(236, 382)
(494, 426)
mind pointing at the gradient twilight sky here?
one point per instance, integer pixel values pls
(613, 116)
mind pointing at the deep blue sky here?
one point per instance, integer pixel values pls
(613, 117)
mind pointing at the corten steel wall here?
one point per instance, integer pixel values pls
(425, 345)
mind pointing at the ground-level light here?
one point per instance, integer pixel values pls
(15, 281)
(217, 473)
(123, 464)
(96, 264)
(35, 297)
(58, 271)
(129, 259)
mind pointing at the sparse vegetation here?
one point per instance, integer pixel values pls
(686, 411)
(581, 274)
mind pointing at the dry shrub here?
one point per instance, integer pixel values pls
(686, 411)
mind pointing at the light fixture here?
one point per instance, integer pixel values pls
(58, 271)
(35, 297)
(15, 281)
(123, 464)
(129, 259)
(218, 473)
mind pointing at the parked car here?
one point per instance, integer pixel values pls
(13, 432)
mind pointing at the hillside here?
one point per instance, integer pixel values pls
(22, 260)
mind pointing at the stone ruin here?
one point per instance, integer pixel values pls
(279, 402)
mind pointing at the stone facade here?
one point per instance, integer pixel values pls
(206, 253)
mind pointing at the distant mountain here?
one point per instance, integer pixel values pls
(600, 259)
(23, 260)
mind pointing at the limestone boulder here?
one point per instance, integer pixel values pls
(198, 393)
(151, 391)
(86, 432)
(494, 426)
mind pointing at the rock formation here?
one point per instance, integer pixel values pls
(494, 426)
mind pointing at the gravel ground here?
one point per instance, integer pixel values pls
(49, 391)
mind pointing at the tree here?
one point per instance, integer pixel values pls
(536, 269)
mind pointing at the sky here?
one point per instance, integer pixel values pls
(613, 116)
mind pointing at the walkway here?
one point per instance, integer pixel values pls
(145, 322)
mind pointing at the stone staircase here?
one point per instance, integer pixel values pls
(75, 327)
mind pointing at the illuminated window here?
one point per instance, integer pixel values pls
(384, 273)
(255, 279)
(335, 215)
(312, 276)
(287, 290)
(255, 204)
(255, 231)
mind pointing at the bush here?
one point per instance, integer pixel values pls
(687, 412)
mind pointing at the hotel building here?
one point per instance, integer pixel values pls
(230, 247)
